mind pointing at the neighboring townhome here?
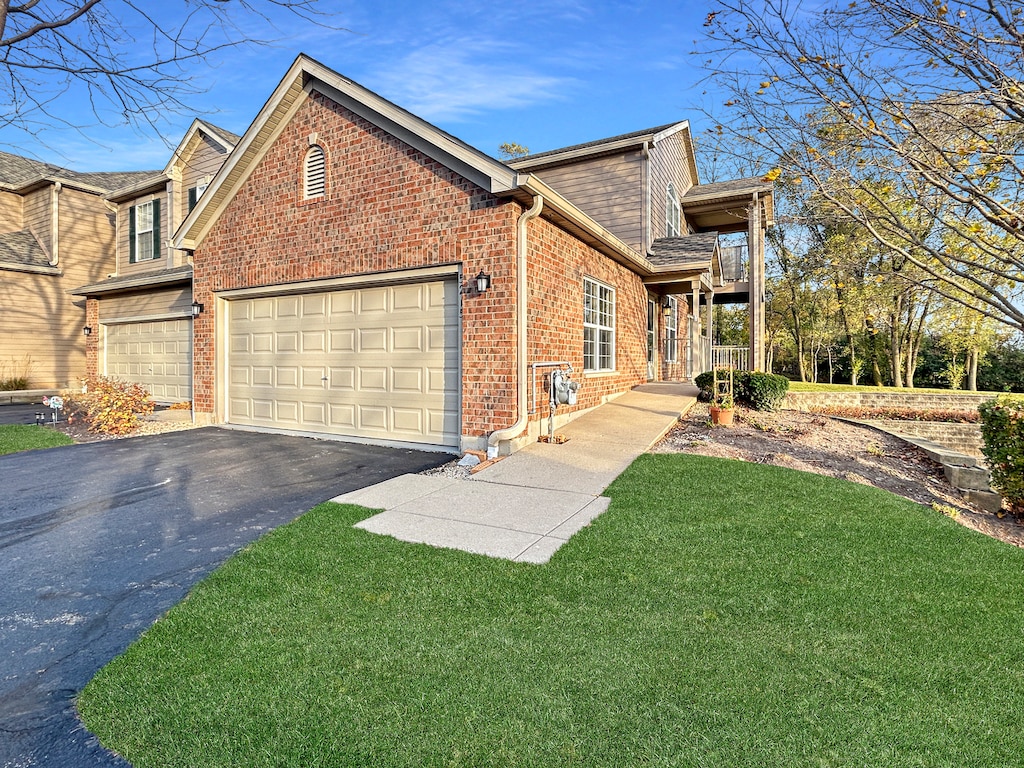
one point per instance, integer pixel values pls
(360, 273)
(141, 313)
(56, 232)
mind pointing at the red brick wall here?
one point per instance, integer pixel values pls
(557, 265)
(387, 207)
(92, 341)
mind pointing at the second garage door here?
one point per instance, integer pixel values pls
(155, 354)
(379, 363)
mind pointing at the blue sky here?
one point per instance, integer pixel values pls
(545, 75)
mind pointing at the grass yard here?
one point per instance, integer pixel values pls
(27, 437)
(719, 614)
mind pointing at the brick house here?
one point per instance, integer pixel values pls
(55, 233)
(141, 309)
(336, 256)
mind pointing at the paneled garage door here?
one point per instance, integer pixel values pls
(155, 354)
(379, 363)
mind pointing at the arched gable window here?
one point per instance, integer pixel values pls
(314, 173)
(672, 213)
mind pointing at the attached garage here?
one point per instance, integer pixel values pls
(377, 363)
(145, 331)
(156, 354)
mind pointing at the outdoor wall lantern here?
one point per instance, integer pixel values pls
(666, 306)
(87, 331)
(483, 282)
(197, 309)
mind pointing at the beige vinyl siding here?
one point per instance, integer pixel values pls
(150, 304)
(609, 189)
(40, 322)
(197, 166)
(11, 212)
(124, 265)
(668, 165)
(38, 215)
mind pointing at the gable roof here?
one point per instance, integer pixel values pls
(155, 181)
(226, 139)
(22, 174)
(304, 76)
(612, 145)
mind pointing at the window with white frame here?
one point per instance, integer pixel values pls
(314, 183)
(144, 231)
(598, 326)
(672, 330)
(194, 193)
(673, 213)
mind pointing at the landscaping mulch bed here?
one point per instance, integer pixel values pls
(815, 443)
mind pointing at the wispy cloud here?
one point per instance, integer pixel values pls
(454, 79)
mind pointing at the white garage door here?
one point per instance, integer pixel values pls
(379, 363)
(155, 354)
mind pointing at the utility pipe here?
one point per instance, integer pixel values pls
(521, 300)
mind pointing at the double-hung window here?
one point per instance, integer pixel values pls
(672, 330)
(598, 326)
(144, 232)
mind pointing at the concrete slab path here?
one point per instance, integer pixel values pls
(526, 506)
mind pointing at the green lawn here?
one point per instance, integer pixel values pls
(719, 614)
(27, 437)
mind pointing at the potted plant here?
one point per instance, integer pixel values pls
(722, 410)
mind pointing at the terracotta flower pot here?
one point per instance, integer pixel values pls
(722, 416)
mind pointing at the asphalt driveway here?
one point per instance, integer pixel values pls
(98, 540)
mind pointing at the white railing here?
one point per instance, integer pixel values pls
(731, 356)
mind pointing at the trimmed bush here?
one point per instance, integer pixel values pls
(1002, 428)
(760, 391)
(110, 406)
(706, 383)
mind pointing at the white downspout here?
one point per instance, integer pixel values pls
(55, 223)
(521, 300)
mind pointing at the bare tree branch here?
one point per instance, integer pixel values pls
(132, 66)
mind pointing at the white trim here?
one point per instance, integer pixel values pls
(365, 279)
(10, 266)
(129, 319)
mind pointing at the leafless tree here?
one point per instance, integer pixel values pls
(882, 107)
(123, 57)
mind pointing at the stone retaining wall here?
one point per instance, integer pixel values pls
(920, 401)
(965, 438)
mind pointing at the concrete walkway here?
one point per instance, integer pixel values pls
(529, 504)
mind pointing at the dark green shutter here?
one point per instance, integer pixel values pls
(156, 229)
(191, 198)
(131, 235)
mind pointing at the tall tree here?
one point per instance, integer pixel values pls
(131, 60)
(928, 94)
